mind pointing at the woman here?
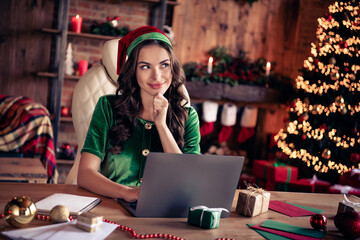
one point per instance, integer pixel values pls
(146, 114)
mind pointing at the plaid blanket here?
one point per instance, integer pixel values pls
(25, 127)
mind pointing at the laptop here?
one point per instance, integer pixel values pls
(172, 183)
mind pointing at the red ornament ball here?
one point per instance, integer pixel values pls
(318, 221)
(343, 44)
(64, 111)
(355, 157)
(348, 224)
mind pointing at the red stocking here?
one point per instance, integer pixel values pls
(225, 133)
(245, 133)
(206, 128)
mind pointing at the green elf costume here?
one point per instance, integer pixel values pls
(127, 167)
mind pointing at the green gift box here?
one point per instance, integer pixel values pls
(202, 216)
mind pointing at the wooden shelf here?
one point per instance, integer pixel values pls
(80, 35)
(53, 75)
(172, 3)
(65, 162)
(66, 119)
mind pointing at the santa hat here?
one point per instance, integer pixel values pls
(134, 38)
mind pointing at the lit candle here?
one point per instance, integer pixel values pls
(210, 65)
(268, 68)
(83, 67)
(76, 23)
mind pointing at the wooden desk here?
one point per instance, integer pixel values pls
(22, 169)
(231, 227)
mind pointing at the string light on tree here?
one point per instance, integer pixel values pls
(320, 131)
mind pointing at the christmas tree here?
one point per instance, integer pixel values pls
(69, 64)
(323, 126)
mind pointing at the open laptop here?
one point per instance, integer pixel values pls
(174, 182)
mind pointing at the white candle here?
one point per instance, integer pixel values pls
(210, 65)
(268, 68)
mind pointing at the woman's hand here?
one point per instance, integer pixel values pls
(132, 194)
(160, 104)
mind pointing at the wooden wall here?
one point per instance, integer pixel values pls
(279, 30)
(24, 50)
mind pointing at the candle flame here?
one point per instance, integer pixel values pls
(77, 16)
(211, 59)
(268, 65)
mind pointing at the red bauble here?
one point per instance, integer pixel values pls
(318, 221)
(348, 224)
(64, 111)
(355, 157)
(303, 137)
(343, 44)
(328, 17)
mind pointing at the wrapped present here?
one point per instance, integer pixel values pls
(245, 180)
(351, 178)
(313, 185)
(89, 222)
(274, 171)
(202, 216)
(344, 189)
(252, 201)
(346, 206)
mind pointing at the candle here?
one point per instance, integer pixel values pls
(76, 23)
(268, 68)
(210, 65)
(83, 67)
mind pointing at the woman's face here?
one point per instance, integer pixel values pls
(153, 70)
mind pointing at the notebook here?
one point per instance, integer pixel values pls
(76, 204)
(172, 183)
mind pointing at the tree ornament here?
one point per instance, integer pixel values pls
(343, 44)
(352, 77)
(59, 214)
(348, 224)
(355, 158)
(332, 60)
(334, 76)
(326, 154)
(328, 17)
(64, 111)
(343, 111)
(304, 117)
(19, 211)
(339, 100)
(303, 137)
(323, 126)
(318, 222)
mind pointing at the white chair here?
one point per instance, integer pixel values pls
(99, 80)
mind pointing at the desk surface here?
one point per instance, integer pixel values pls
(231, 227)
(22, 169)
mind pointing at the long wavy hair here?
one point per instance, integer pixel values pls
(128, 105)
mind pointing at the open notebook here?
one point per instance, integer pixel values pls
(75, 203)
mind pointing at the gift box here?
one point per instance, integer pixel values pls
(351, 178)
(252, 202)
(338, 188)
(313, 185)
(246, 180)
(202, 216)
(89, 222)
(274, 171)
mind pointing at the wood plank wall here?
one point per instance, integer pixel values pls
(24, 50)
(279, 30)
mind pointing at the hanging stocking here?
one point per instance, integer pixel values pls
(228, 120)
(247, 124)
(209, 116)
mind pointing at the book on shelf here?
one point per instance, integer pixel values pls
(76, 204)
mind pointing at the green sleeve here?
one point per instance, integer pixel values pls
(98, 133)
(192, 133)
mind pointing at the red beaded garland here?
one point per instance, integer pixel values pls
(124, 228)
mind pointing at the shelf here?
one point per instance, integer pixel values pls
(66, 119)
(53, 75)
(172, 3)
(80, 35)
(65, 162)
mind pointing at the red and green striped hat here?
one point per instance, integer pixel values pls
(132, 39)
